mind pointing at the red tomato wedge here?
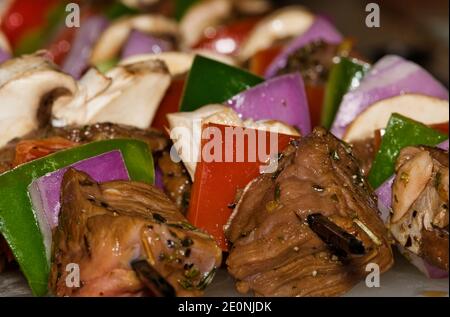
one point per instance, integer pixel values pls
(29, 150)
(24, 16)
(216, 183)
(169, 104)
(61, 45)
(442, 127)
(315, 95)
(227, 39)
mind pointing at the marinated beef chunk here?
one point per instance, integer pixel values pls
(310, 228)
(420, 203)
(90, 133)
(313, 61)
(104, 131)
(176, 180)
(128, 238)
(177, 183)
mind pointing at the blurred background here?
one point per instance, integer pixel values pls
(415, 29)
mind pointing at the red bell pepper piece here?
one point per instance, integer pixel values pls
(61, 44)
(441, 127)
(216, 183)
(23, 16)
(169, 104)
(29, 24)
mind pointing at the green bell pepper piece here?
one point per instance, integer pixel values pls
(18, 223)
(345, 75)
(400, 133)
(211, 82)
(35, 39)
(182, 6)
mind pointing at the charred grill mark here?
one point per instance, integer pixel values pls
(152, 279)
(334, 236)
(159, 218)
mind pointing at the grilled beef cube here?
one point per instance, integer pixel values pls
(310, 228)
(127, 238)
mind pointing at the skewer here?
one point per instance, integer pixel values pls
(334, 236)
(152, 279)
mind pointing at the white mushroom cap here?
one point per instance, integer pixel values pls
(139, 3)
(185, 132)
(252, 6)
(177, 62)
(114, 37)
(200, 16)
(284, 23)
(186, 129)
(28, 85)
(128, 94)
(4, 43)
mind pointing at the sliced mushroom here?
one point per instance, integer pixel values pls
(419, 173)
(425, 109)
(94, 82)
(115, 36)
(131, 97)
(411, 180)
(74, 109)
(139, 3)
(177, 62)
(284, 23)
(252, 6)
(185, 129)
(4, 44)
(29, 86)
(200, 16)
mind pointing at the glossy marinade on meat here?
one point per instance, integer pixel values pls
(310, 228)
(419, 221)
(127, 238)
